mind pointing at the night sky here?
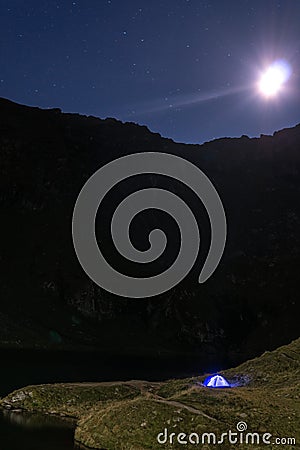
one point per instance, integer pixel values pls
(188, 69)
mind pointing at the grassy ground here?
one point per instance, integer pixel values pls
(129, 415)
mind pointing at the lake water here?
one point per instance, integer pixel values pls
(21, 368)
(24, 431)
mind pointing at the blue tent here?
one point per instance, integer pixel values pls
(216, 381)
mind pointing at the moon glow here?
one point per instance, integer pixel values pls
(273, 79)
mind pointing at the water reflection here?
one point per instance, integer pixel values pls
(25, 431)
(36, 420)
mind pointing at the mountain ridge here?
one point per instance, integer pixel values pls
(47, 155)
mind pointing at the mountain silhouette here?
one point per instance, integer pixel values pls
(250, 304)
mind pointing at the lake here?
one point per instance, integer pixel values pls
(24, 431)
(21, 368)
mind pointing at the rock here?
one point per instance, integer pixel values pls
(45, 158)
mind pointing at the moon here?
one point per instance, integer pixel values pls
(273, 79)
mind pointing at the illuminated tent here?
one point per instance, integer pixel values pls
(216, 381)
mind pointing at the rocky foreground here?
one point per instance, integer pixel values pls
(264, 397)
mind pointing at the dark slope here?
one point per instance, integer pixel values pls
(250, 304)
